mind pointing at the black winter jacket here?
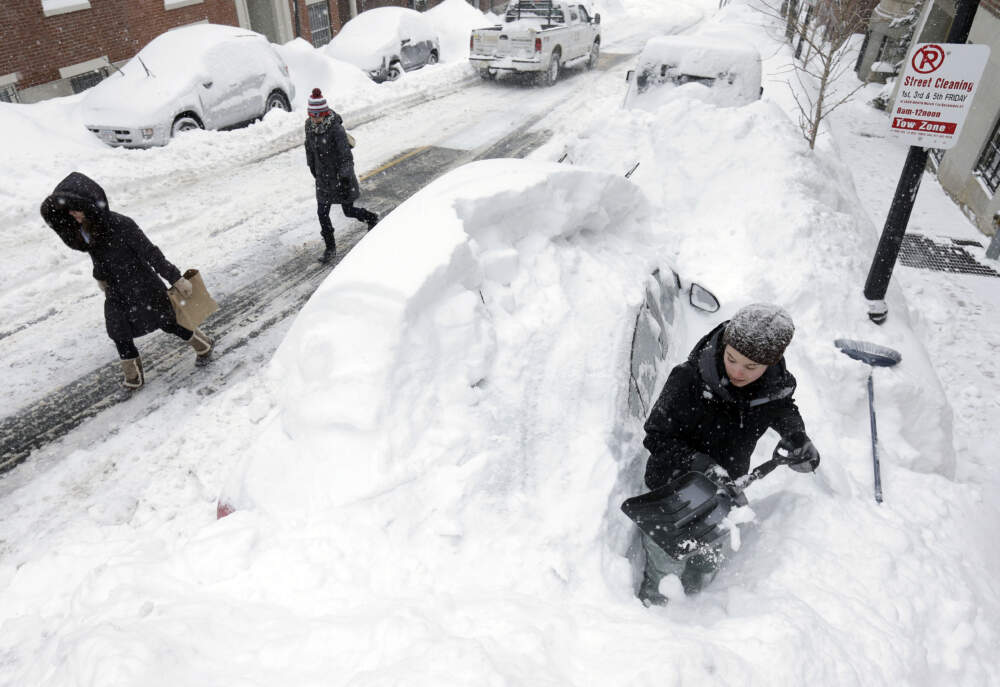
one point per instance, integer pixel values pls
(699, 411)
(136, 300)
(331, 161)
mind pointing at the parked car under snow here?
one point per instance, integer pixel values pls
(728, 69)
(385, 42)
(204, 76)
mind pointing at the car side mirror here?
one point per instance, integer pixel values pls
(207, 84)
(597, 18)
(701, 298)
(629, 75)
(404, 41)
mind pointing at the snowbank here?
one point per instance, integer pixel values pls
(414, 336)
(453, 20)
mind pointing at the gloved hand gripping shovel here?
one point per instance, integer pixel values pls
(685, 514)
(875, 356)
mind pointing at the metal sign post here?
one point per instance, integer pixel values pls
(935, 131)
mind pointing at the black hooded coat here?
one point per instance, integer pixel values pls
(331, 161)
(699, 411)
(136, 300)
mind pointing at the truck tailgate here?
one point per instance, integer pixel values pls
(484, 41)
(519, 45)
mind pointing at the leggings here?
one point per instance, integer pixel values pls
(126, 347)
(326, 226)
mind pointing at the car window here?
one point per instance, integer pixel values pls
(572, 15)
(583, 14)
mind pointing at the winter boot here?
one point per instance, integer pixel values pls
(330, 252)
(202, 346)
(372, 220)
(699, 571)
(134, 379)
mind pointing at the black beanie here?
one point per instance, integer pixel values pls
(759, 331)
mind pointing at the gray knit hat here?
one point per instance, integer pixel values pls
(760, 331)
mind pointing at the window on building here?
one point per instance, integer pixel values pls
(319, 23)
(8, 94)
(988, 167)
(87, 79)
(51, 8)
(937, 154)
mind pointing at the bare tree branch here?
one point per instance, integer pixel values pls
(823, 28)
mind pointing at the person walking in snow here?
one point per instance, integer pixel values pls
(713, 409)
(331, 162)
(127, 267)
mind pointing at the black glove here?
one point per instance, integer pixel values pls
(802, 455)
(705, 464)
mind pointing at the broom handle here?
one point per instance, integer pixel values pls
(871, 413)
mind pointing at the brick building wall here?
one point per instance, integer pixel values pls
(35, 47)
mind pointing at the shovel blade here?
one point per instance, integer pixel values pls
(681, 516)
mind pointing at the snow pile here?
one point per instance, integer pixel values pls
(343, 84)
(405, 362)
(453, 21)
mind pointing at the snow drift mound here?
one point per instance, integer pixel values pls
(417, 359)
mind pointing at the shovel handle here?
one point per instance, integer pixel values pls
(761, 470)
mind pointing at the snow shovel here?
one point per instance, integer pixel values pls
(874, 356)
(684, 515)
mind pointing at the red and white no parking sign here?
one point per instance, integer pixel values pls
(935, 93)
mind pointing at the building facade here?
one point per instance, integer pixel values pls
(53, 48)
(886, 40)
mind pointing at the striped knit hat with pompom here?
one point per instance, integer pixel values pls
(317, 104)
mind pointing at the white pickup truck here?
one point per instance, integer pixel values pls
(537, 36)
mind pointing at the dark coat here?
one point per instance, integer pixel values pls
(699, 411)
(331, 161)
(136, 300)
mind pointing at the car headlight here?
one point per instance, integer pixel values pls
(147, 133)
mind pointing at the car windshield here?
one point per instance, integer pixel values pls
(179, 51)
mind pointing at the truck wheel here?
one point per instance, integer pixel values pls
(595, 54)
(552, 73)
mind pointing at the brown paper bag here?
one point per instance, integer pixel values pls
(196, 308)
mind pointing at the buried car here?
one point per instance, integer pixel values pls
(508, 298)
(204, 76)
(385, 42)
(728, 69)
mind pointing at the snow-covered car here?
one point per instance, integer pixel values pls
(537, 37)
(205, 76)
(385, 42)
(487, 310)
(729, 68)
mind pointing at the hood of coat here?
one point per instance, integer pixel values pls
(76, 192)
(776, 382)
